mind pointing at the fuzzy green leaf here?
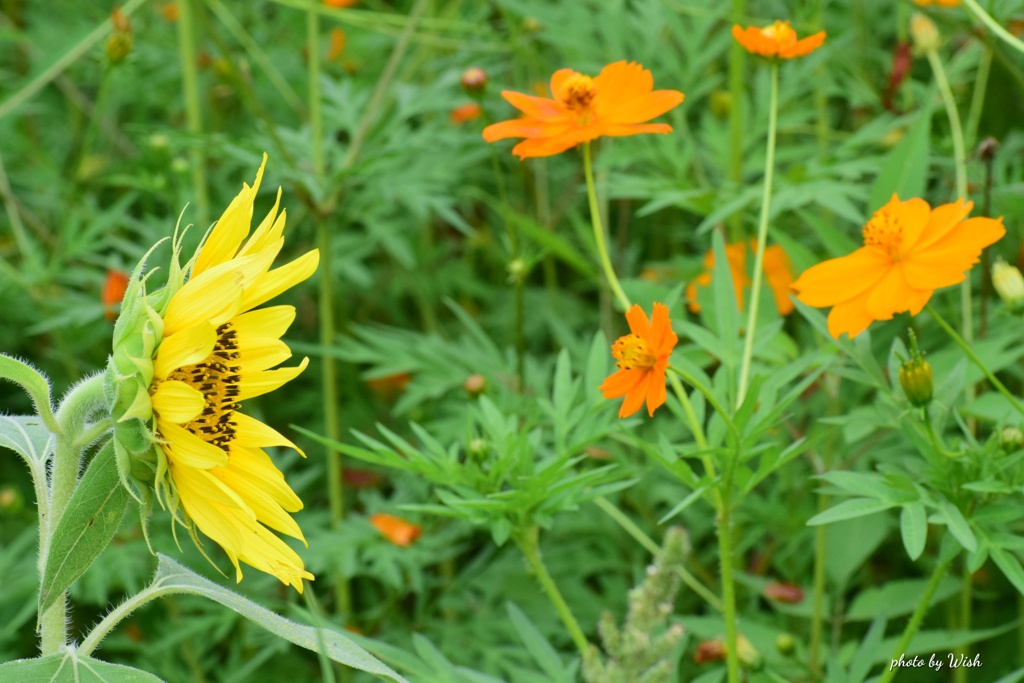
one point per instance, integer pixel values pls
(68, 667)
(27, 436)
(34, 384)
(86, 527)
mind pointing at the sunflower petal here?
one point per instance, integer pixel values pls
(259, 383)
(188, 451)
(177, 402)
(185, 347)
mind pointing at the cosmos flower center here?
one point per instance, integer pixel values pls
(217, 378)
(780, 31)
(632, 353)
(578, 93)
(885, 231)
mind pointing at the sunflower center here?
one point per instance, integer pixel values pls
(885, 231)
(632, 353)
(578, 93)
(780, 31)
(217, 378)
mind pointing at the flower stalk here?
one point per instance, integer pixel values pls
(762, 238)
(599, 236)
(529, 543)
(917, 617)
(193, 114)
(959, 341)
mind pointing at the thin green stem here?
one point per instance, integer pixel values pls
(818, 602)
(29, 90)
(729, 424)
(978, 96)
(762, 238)
(529, 544)
(737, 57)
(917, 617)
(599, 236)
(648, 543)
(725, 549)
(329, 378)
(193, 114)
(966, 603)
(994, 26)
(119, 613)
(1000, 387)
(960, 163)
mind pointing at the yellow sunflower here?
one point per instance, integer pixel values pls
(215, 352)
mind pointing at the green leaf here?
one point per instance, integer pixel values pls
(905, 170)
(848, 509)
(172, 577)
(1009, 565)
(914, 527)
(27, 436)
(537, 645)
(85, 528)
(860, 483)
(861, 665)
(35, 385)
(70, 667)
(726, 310)
(958, 526)
(896, 598)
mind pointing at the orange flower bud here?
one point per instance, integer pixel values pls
(474, 79)
(113, 291)
(169, 11)
(395, 529)
(337, 44)
(475, 384)
(340, 4)
(389, 386)
(787, 593)
(464, 113)
(709, 651)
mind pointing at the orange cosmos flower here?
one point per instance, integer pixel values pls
(778, 271)
(339, 4)
(395, 529)
(778, 40)
(939, 3)
(464, 113)
(169, 11)
(642, 358)
(616, 103)
(909, 251)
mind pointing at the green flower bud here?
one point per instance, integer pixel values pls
(916, 376)
(785, 644)
(1009, 284)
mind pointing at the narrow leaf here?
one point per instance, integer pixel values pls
(848, 509)
(173, 577)
(914, 527)
(905, 170)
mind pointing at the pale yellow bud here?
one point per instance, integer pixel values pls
(1009, 284)
(924, 32)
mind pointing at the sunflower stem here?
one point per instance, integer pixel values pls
(193, 114)
(1000, 387)
(81, 400)
(599, 236)
(329, 385)
(985, 18)
(917, 617)
(762, 238)
(529, 543)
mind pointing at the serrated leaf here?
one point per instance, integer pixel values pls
(86, 526)
(172, 577)
(849, 509)
(914, 528)
(70, 667)
(27, 436)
